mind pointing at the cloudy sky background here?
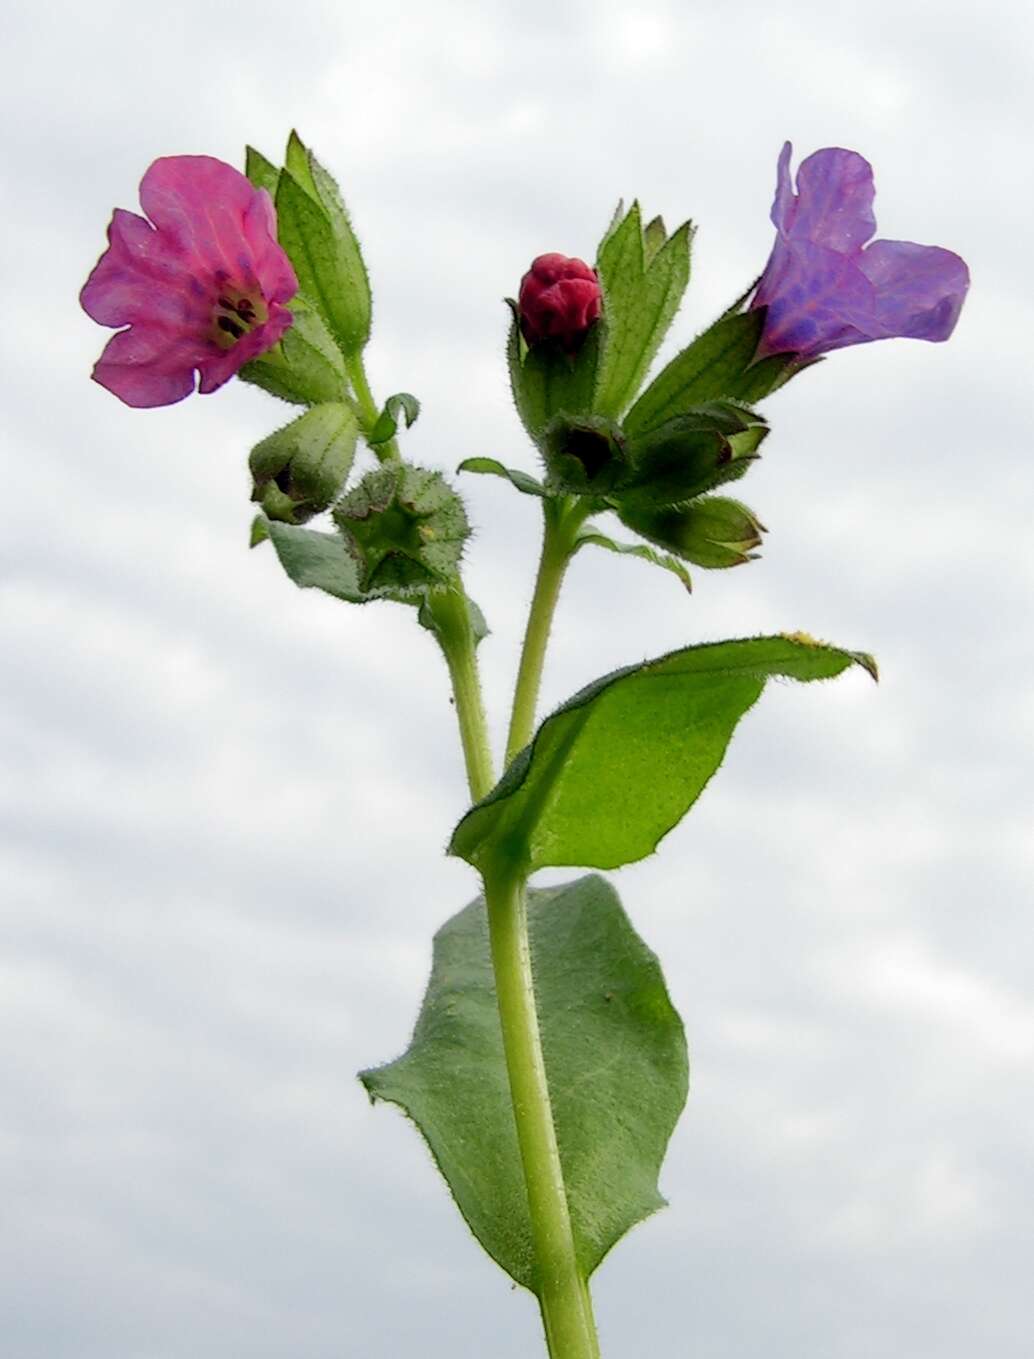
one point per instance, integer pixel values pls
(223, 801)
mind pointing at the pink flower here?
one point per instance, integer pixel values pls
(559, 300)
(202, 288)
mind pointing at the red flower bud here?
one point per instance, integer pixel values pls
(559, 300)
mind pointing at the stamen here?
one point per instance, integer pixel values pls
(231, 327)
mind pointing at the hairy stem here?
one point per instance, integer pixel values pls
(367, 408)
(563, 518)
(563, 1293)
(455, 633)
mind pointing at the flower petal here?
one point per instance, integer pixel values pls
(817, 300)
(140, 278)
(147, 366)
(835, 192)
(784, 205)
(919, 288)
(199, 203)
(275, 275)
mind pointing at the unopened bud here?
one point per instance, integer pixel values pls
(559, 300)
(712, 532)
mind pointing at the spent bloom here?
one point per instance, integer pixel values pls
(825, 288)
(201, 286)
(559, 300)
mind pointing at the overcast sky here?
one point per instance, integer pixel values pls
(223, 801)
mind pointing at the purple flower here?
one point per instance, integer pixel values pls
(201, 289)
(825, 288)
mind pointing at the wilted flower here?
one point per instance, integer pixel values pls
(823, 290)
(202, 288)
(559, 300)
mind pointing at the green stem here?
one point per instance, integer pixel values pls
(452, 627)
(367, 407)
(563, 519)
(563, 1293)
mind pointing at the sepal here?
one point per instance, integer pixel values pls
(404, 527)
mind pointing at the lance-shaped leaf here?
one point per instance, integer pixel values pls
(262, 172)
(718, 365)
(522, 481)
(643, 282)
(614, 769)
(590, 538)
(615, 1057)
(314, 228)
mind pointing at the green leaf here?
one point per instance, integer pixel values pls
(615, 1056)
(592, 538)
(547, 382)
(320, 561)
(262, 173)
(718, 365)
(643, 282)
(296, 163)
(306, 367)
(637, 748)
(314, 229)
(492, 467)
(403, 403)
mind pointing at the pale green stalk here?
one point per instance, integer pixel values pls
(564, 517)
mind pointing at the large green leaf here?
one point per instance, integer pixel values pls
(643, 278)
(615, 1056)
(615, 768)
(717, 366)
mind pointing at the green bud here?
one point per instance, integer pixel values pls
(713, 532)
(584, 455)
(404, 526)
(299, 471)
(690, 454)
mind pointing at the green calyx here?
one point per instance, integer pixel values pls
(404, 526)
(584, 456)
(713, 532)
(299, 470)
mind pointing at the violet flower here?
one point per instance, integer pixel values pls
(825, 288)
(202, 288)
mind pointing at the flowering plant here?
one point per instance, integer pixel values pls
(548, 1067)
